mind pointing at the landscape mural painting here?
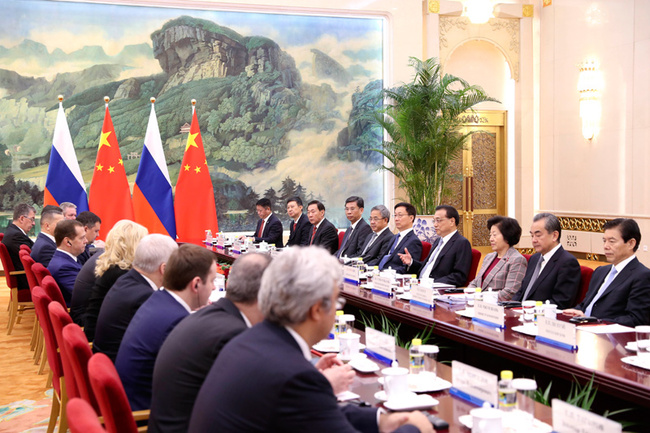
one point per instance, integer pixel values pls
(284, 101)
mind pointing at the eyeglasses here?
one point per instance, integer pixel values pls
(375, 219)
(439, 220)
(400, 215)
(32, 219)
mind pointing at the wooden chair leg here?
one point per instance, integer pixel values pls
(12, 312)
(33, 341)
(41, 368)
(63, 419)
(54, 413)
(40, 346)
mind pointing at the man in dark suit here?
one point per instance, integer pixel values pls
(450, 257)
(70, 242)
(188, 282)
(45, 245)
(619, 292)
(323, 232)
(553, 274)
(130, 291)
(69, 210)
(190, 349)
(263, 380)
(269, 226)
(356, 234)
(406, 239)
(24, 219)
(92, 224)
(299, 229)
(377, 243)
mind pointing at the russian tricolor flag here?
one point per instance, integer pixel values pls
(153, 201)
(64, 181)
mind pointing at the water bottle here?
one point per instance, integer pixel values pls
(416, 358)
(507, 394)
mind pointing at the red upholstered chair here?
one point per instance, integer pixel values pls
(19, 300)
(42, 302)
(52, 289)
(26, 248)
(110, 394)
(78, 352)
(426, 247)
(82, 417)
(37, 338)
(341, 236)
(585, 279)
(40, 272)
(60, 319)
(476, 258)
(527, 256)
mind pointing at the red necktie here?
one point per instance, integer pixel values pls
(313, 232)
(259, 234)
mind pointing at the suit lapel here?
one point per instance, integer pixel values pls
(443, 250)
(619, 280)
(497, 268)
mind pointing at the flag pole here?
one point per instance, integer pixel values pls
(106, 100)
(152, 99)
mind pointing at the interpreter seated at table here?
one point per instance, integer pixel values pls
(619, 292)
(553, 274)
(323, 232)
(187, 284)
(70, 239)
(504, 269)
(263, 379)
(269, 226)
(406, 239)
(378, 242)
(450, 257)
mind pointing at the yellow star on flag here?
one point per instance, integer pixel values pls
(111, 169)
(187, 168)
(100, 167)
(191, 142)
(205, 162)
(119, 161)
(197, 169)
(104, 140)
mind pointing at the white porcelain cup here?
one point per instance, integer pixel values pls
(486, 420)
(550, 311)
(469, 295)
(528, 308)
(349, 345)
(396, 382)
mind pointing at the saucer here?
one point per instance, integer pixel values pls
(411, 402)
(631, 346)
(467, 312)
(526, 329)
(422, 383)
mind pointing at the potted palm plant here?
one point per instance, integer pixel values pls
(422, 122)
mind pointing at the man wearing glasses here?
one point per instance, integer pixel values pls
(404, 241)
(450, 257)
(24, 220)
(378, 242)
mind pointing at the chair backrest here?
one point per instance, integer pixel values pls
(341, 236)
(28, 262)
(52, 289)
(25, 247)
(110, 394)
(41, 304)
(476, 258)
(82, 417)
(2, 236)
(527, 256)
(60, 319)
(585, 279)
(8, 266)
(426, 248)
(78, 352)
(40, 272)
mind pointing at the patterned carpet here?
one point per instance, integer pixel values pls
(26, 415)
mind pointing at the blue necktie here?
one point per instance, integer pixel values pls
(602, 289)
(390, 253)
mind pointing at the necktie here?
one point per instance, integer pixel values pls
(372, 239)
(426, 271)
(390, 253)
(259, 234)
(602, 289)
(536, 272)
(313, 232)
(347, 235)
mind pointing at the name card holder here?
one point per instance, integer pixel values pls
(236, 247)
(556, 333)
(570, 418)
(381, 286)
(422, 296)
(221, 243)
(351, 274)
(473, 385)
(380, 346)
(489, 314)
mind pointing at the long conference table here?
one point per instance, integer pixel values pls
(598, 355)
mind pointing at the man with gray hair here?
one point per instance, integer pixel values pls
(263, 379)
(377, 243)
(69, 210)
(130, 291)
(552, 274)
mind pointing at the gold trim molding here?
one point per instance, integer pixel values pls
(547, 3)
(529, 251)
(527, 10)
(434, 6)
(583, 224)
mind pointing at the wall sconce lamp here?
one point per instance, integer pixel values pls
(589, 87)
(478, 11)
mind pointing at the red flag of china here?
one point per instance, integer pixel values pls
(110, 196)
(194, 201)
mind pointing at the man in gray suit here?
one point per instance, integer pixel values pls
(378, 242)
